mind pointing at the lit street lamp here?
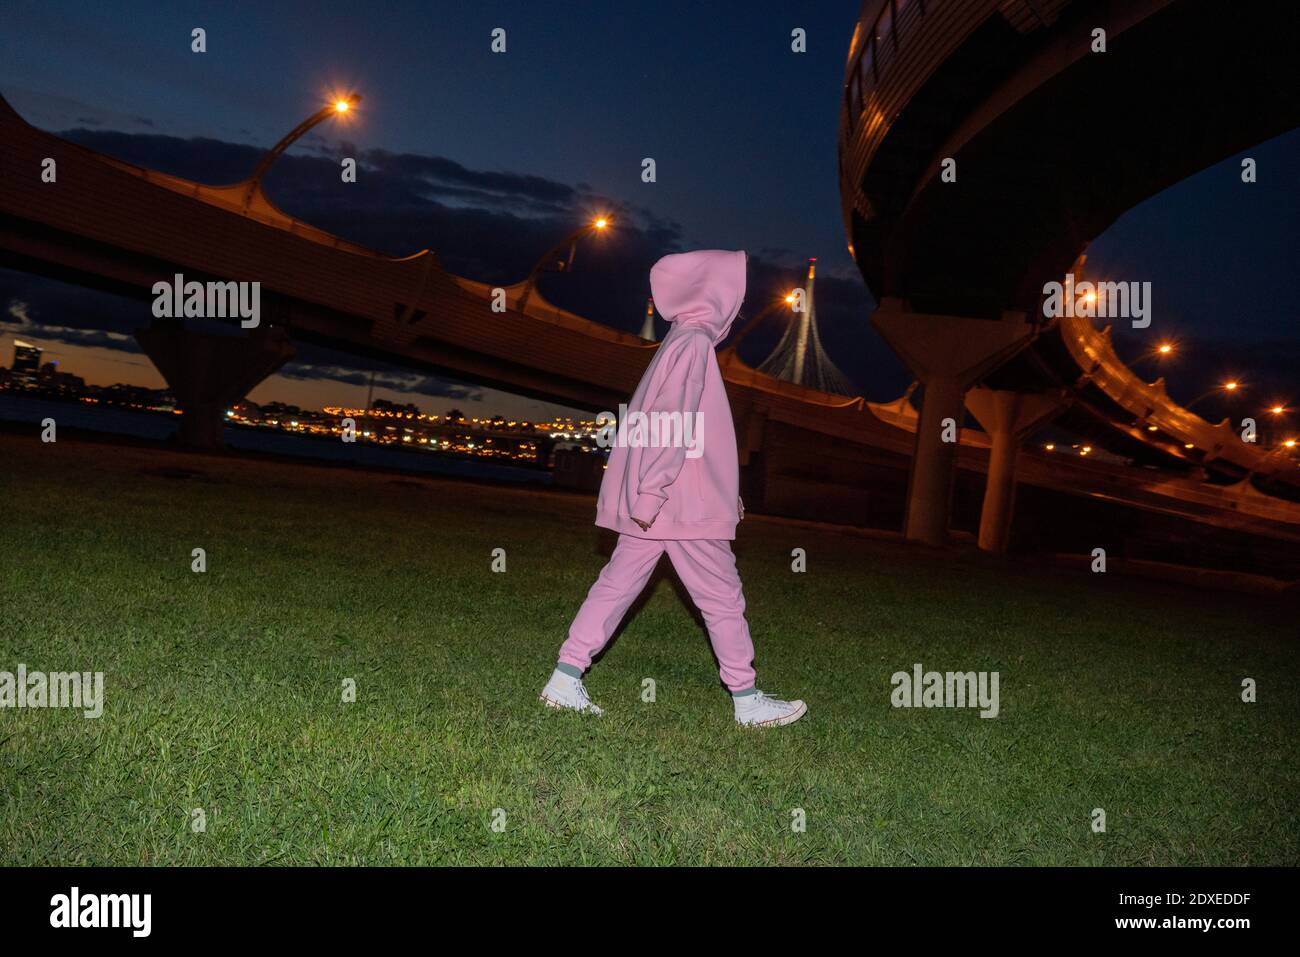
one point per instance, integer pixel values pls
(1231, 386)
(337, 108)
(1283, 449)
(1279, 420)
(599, 224)
(758, 317)
(1158, 354)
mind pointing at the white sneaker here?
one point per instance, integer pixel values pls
(566, 691)
(757, 710)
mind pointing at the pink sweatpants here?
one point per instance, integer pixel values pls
(708, 570)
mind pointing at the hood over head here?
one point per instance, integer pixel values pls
(704, 287)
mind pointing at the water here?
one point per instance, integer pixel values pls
(159, 427)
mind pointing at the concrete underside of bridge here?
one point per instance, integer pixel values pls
(1052, 143)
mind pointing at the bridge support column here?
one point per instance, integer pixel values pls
(948, 354)
(1007, 417)
(208, 372)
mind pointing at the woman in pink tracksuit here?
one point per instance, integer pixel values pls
(672, 485)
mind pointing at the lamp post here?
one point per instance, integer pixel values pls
(1279, 419)
(1231, 386)
(1284, 448)
(338, 108)
(1159, 354)
(758, 317)
(599, 224)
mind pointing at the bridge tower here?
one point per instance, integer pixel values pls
(799, 356)
(648, 327)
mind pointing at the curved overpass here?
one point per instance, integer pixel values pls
(804, 453)
(1045, 143)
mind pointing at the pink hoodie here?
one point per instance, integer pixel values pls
(692, 495)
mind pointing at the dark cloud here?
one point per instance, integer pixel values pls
(87, 337)
(61, 310)
(398, 381)
(442, 170)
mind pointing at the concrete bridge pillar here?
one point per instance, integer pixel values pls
(209, 372)
(948, 354)
(1007, 417)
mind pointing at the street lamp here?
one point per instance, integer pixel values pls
(1232, 385)
(748, 327)
(1283, 449)
(1280, 419)
(338, 107)
(1161, 352)
(597, 225)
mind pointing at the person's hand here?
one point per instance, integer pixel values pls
(645, 526)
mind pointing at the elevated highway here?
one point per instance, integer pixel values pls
(983, 144)
(114, 226)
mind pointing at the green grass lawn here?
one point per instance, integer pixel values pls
(223, 689)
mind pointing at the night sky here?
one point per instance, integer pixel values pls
(489, 158)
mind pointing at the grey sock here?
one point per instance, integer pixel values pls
(744, 694)
(564, 668)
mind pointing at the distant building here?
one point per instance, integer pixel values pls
(50, 378)
(27, 357)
